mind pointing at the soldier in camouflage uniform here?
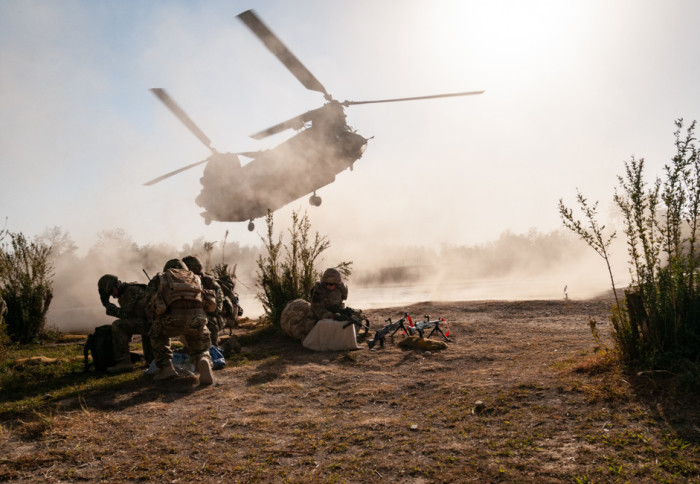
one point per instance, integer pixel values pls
(327, 300)
(328, 296)
(132, 319)
(186, 318)
(232, 309)
(215, 320)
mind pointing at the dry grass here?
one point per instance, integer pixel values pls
(553, 410)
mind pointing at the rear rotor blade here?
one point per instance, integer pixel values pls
(281, 51)
(182, 116)
(179, 170)
(455, 94)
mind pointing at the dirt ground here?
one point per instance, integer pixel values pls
(552, 410)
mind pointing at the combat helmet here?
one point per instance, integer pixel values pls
(175, 264)
(105, 286)
(193, 263)
(332, 276)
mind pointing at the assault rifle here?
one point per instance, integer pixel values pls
(427, 324)
(354, 316)
(390, 328)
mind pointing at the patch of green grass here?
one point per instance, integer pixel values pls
(31, 387)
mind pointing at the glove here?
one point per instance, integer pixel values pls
(112, 310)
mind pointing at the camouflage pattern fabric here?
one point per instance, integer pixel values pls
(215, 319)
(131, 314)
(231, 305)
(325, 302)
(122, 331)
(191, 325)
(297, 320)
(132, 302)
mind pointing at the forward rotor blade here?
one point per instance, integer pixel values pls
(182, 116)
(281, 51)
(296, 122)
(455, 94)
(168, 175)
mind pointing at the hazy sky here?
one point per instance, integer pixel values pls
(573, 88)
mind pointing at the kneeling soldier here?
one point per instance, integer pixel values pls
(131, 314)
(180, 303)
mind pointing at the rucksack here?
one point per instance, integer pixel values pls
(180, 285)
(99, 345)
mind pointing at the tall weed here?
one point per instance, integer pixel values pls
(289, 271)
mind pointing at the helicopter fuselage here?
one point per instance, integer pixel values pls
(299, 166)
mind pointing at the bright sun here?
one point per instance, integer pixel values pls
(521, 35)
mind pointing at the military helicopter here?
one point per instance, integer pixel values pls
(323, 146)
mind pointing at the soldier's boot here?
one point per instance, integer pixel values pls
(123, 365)
(206, 376)
(166, 372)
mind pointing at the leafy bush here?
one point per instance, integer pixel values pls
(659, 321)
(25, 281)
(288, 272)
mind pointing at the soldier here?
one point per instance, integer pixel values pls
(232, 307)
(131, 314)
(328, 296)
(180, 304)
(215, 322)
(327, 301)
(327, 308)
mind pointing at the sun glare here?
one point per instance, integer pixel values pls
(490, 36)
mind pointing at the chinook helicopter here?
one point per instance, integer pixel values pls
(323, 146)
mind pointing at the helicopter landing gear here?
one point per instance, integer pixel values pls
(315, 200)
(251, 226)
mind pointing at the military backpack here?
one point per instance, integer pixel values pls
(179, 285)
(99, 346)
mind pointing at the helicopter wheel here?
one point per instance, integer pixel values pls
(251, 226)
(315, 200)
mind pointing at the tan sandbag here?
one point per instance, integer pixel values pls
(329, 335)
(33, 360)
(417, 342)
(296, 319)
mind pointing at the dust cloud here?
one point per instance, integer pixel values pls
(529, 266)
(76, 304)
(513, 267)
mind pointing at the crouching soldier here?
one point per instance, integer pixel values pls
(131, 314)
(328, 296)
(179, 305)
(321, 324)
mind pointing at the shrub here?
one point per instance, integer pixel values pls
(4, 339)
(288, 271)
(659, 321)
(25, 281)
